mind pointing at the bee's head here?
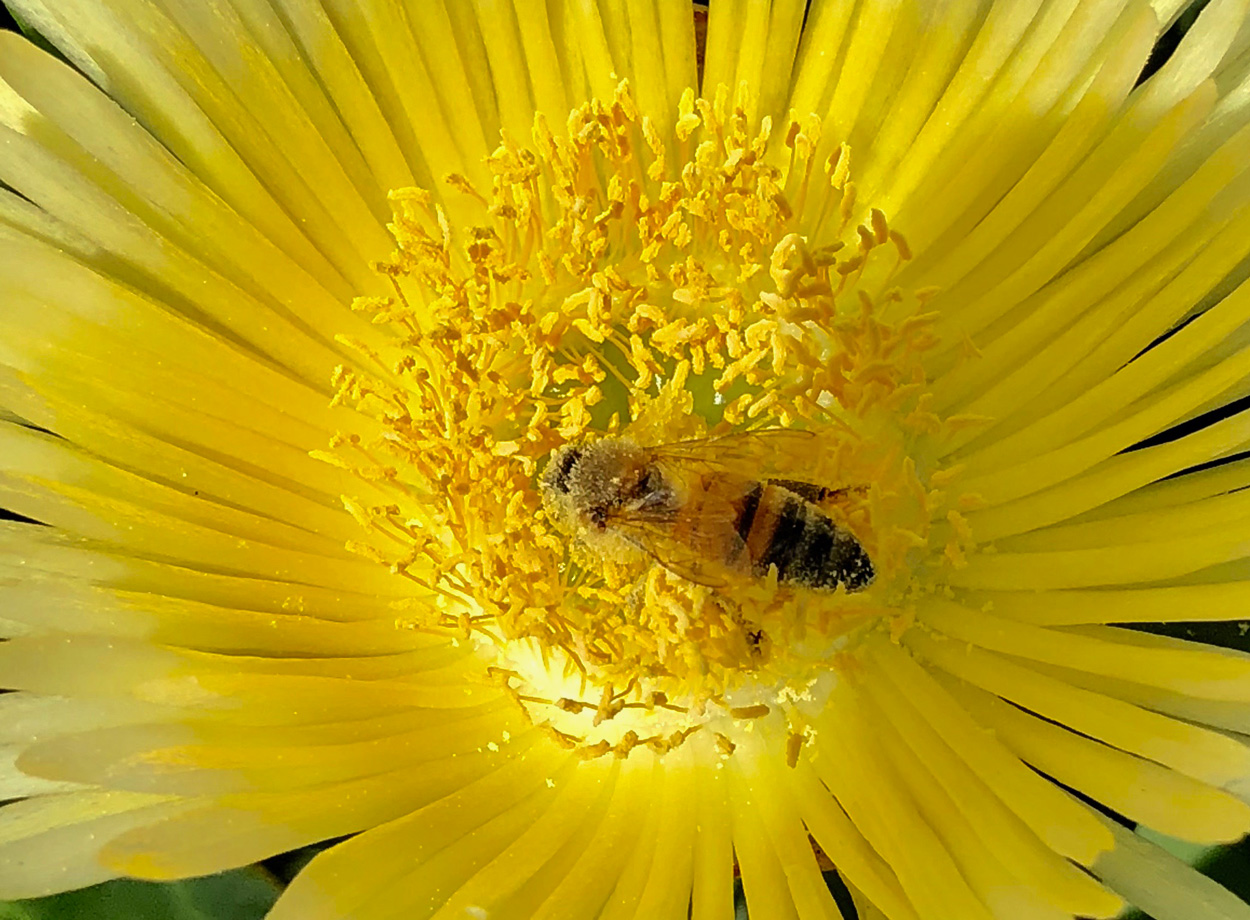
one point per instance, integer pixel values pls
(565, 485)
(558, 474)
(583, 484)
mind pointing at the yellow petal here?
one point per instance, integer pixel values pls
(1139, 789)
(1202, 754)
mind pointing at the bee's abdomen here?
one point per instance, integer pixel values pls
(746, 513)
(805, 545)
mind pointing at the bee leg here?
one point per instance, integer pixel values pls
(840, 496)
(808, 491)
(818, 495)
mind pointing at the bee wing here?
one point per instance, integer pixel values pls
(738, 449)
(679, 560)
(699, 554)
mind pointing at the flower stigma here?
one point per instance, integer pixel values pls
(610, 282)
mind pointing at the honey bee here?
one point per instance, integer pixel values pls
(698, 509)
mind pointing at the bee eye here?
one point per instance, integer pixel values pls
(564, 467)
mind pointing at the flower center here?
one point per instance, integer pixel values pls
(617, 281)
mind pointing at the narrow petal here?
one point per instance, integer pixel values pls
(585, 887)
(875, 797)
(1073, 832)
(712, 895)
(1194, 671)
(1138, 789)
(838, 837)
(1202, 754)
(356, 876)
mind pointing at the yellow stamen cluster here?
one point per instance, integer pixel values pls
(669, 284)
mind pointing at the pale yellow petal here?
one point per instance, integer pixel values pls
(361, 876)
(712, 894)
(928, 761)
(764, 881)
(234, 158)
(17, 783)
(876, 798)
(940, 44)
(1069, 830)
(646, 54)
(1115, 477)
(210, 618)
(1189, 670)
(666, 893)
(857, 861)
(1018, 121)
(677, 37)
(1139, 789)
(587, 884)
(820, 53)
(525, 898)
(1013, 162)
(1006, 891)
(50, 843)
(1158, 882)
(55, 555)
(1070, 217)
(1196, 752)
(1204, 602)
(170, 759)
(1152, 560)
(499, 877)
(1088, 305)
(633, 874)
(772, 793)
(238, 829)
(724, 38)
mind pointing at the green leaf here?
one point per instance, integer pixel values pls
(244, 894)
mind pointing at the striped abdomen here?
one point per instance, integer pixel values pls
(780, 528)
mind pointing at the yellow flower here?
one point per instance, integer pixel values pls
(306, 573)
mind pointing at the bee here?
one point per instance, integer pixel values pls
(700, 509)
